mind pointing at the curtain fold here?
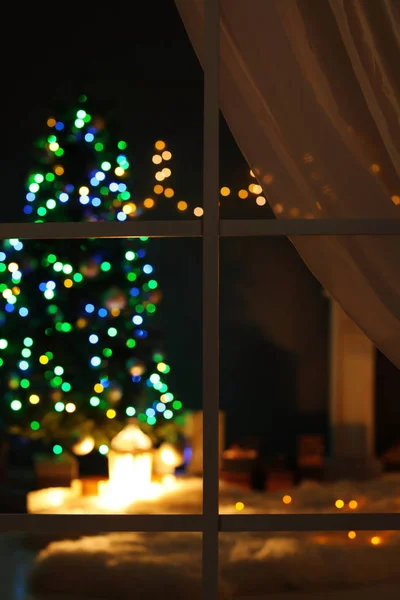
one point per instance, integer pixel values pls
(311, 92)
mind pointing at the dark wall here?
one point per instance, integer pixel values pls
(274, 341)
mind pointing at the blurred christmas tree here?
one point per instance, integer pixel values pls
(79, 349)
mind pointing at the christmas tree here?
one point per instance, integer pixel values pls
(80, 351)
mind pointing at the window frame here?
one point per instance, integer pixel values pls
(210, 229)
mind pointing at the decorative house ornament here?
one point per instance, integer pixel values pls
(130, 462)
(131, 439)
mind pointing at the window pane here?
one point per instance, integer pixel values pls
(285, 565)
(115, 131)
(114, 565)
(310, 403)
(100, 359)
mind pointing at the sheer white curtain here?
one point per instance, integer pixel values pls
(311, 92)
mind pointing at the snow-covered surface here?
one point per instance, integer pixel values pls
(271, 566)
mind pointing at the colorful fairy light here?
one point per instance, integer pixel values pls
(78, 316)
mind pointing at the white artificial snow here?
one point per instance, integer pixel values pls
(272, 566)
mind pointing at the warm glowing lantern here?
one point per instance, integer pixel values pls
(167, 459)
(130, 461)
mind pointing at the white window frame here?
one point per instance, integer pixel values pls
(210, 229)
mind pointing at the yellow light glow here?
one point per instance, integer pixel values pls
(127, 209)
(167, 172)
(137, 370)
(84, 446)
(168, 481)
(375, 168)
(158, 189)
(7, 293)
(257, 189)
(169, 193)
(34, 399)
(43, 360)
(169, 456)
(252, 173)
(376, 540)
(54, 146)
(164, 398)
(12, 267)
(239, 506)
(161, 367)
(157, 159)
(116, 203)
(70, 407)
(182, 205)
(16, 291)
(167, 155)
(352, 535)
(286, 499)
(396, 200)
(159, 145)
(68, 283)
(225, 191)
(51, 122)
(111, 414)
(59, 170)
(339, 504)
(278, 208)
(81, 323)
(83, 191)
(148, 203)
(159, 176)
(49, 498)
(119, 171)
(115, 312)
(129, 478)
(98, 388)
(198, 211)
(353, 504)
(260, 200)
(243, 194)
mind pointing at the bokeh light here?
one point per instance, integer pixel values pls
(182, 205)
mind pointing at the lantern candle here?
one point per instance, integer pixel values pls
(130, 461)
